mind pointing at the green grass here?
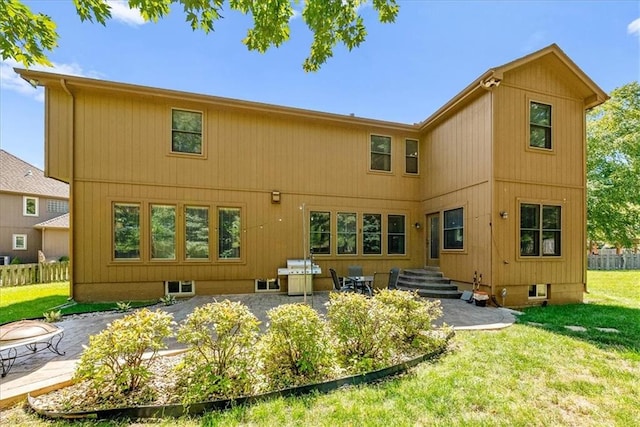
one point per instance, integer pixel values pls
(523, 375)
(30, 301)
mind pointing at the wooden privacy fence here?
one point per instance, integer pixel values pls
(614, 262)
(25, 274)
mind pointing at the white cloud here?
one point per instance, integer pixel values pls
(10, 80)
(120, 11)
(634, 27)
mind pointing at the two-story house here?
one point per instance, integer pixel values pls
(205, 195)
(34, 212)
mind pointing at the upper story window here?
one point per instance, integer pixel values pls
(411, 156)
(320, 232)
(126, 231)
(453, 229)
(540, 230)
(57, 206)
(540, 125)
(381, 153)
(30, 206)
(186, 131)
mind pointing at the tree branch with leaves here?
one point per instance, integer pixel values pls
(27, 36)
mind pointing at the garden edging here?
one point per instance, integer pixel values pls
(177, 410)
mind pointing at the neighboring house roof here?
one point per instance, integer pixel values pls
(61, 221)
(18, 176)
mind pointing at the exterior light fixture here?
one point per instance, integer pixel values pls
(417, 225)
(275, 197)
(504, 214)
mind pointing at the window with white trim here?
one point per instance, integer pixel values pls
(540, 230)
(29, 206)
(179, 287)
(186, 131)
(539, 290)
(381, 153)
(19, 242)
(57, 206)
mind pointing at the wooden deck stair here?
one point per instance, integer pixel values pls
(429, 282)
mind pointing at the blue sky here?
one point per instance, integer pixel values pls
(403, 72)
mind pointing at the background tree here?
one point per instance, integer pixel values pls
(613, 168)
(26, 36)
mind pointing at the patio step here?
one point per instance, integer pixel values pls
(428, 282)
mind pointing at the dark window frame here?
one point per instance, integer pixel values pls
(453, 232)
(536, 126)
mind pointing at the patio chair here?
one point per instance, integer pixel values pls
(355, 270)
(393, 278)
(338, 285)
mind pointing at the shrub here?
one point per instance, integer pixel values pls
(15, 261)
(296, 348)
(114, 361)
(123, 306)
(415, 316)
(364, 330)
(64, 258)
(168, 300)
(221, 338)
(52, 316)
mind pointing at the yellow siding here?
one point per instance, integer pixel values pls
(58, 129)
(123, 155)
(555, 177)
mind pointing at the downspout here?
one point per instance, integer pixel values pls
(72, 115)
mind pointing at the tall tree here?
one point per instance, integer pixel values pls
(25, 36)
(613, 168)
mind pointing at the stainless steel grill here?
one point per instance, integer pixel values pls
(298, 271)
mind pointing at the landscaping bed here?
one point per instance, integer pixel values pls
(229, 362)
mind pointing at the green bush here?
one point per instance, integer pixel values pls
(220, 360)
(15, 261)
(415, 316)
(365, 330)
(113, 362)
(64, 258)
(52, 316)
(296, 348)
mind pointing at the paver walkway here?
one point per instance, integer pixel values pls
(43, 370)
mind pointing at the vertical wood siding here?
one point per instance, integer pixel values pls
(457, 160)
(555, 176)
(123, 155)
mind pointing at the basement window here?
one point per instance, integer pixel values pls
(267, 285)
(538, 291)
(179, 287)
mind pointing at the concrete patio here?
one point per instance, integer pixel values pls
(45, 370)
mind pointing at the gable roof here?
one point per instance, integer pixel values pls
(61, 221)
(18, 176)
(593, 94)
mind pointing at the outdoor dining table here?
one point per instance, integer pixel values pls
(362, 284)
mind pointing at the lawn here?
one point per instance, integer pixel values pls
(31, 301)
(534, 373)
